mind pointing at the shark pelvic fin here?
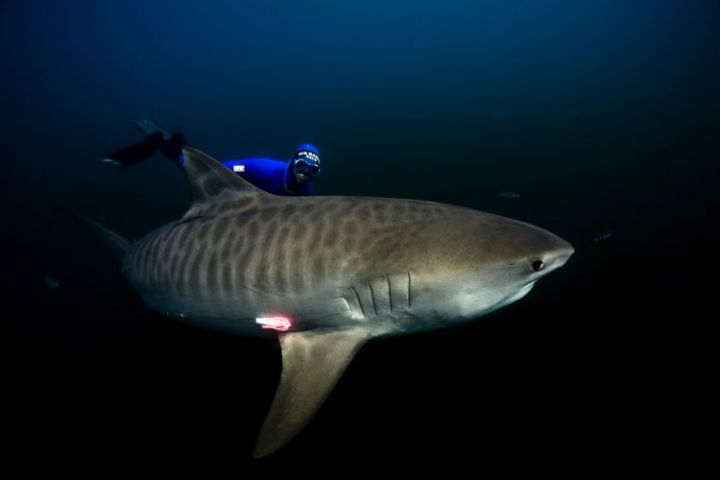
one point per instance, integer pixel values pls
(313, 362)
(211, 182)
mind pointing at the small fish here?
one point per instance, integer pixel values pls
(511, 195)
(50, 281)
(604, 235)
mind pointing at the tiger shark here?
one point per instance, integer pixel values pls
(326, 274)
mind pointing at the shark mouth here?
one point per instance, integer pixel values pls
(526, 289)
(521, 293)
(513, 298)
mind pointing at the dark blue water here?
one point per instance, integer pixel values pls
(601, 115)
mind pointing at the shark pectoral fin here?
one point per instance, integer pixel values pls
(313, 362)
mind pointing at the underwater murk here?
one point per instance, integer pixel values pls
(283, 183)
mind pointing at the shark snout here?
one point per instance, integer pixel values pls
(558, 256)
(551, 257)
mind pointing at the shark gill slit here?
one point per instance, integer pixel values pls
(347, 304)
(389, 293)
(358, 300)
(409, 283)
(372, 296)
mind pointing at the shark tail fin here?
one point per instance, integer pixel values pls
(117, 243)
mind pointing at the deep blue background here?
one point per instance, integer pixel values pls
(601, 114)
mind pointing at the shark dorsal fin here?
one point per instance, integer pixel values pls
(313, 362)
(211, 182)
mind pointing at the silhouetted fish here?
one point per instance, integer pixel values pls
(510, 195)
(50, 281)
(604, 235)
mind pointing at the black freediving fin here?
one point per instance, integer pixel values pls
(135, 153)
(313, 362)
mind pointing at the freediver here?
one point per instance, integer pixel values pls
(292, 177)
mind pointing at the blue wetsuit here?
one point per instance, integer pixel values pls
(273, 176)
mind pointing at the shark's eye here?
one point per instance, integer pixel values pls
(537, 265)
